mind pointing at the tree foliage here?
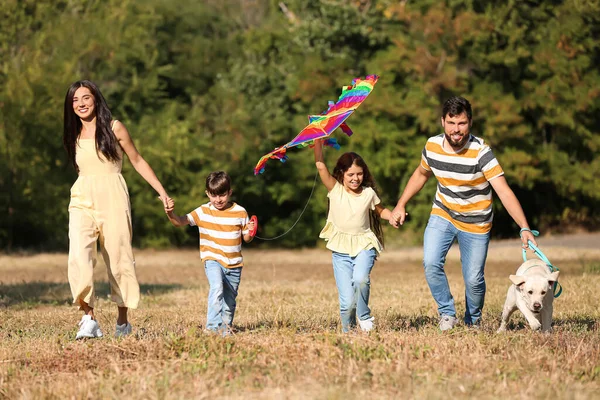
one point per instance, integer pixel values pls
(215, 84)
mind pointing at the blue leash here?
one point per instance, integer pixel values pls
(536, 250)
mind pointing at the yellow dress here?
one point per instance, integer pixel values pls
(100, 211)
(348, 228)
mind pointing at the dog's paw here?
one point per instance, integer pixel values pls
(535, 326)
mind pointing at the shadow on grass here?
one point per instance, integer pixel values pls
(289, 324)
(577, 323)
(35, 293)
(397, 322)
(401, 322)
(571, 324)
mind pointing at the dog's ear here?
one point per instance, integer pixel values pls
(518, 280)
(553, 277)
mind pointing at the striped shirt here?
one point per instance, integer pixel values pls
(221, 233)
(464, 194)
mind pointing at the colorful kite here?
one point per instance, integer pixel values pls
(323, 125)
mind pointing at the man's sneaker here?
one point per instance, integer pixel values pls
(88, 328)
(447, 322)
(476, 326)
(123, 330)
(367, 324)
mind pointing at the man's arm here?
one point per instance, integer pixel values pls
(414, 185)
(512, 205)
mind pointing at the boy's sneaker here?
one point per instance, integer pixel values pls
(223, 331)
(367, 325)
(123, 330)
(88, 328)
(447, 322)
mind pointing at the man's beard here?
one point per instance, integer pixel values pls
(460, 143)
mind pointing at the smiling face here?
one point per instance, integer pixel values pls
(456, 130)
(84, 104)
(219, 201)
(353, 178)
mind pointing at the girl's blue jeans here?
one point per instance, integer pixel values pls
(352, 277)
(439, 236)
(223, 283)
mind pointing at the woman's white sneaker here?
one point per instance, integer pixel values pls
(123, 330)
(88, 328)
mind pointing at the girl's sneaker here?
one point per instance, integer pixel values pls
(123, 330)
(88, 328)
(367, 325)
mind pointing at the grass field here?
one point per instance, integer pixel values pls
(287, 342)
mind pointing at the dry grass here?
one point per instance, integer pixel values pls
(287, 342)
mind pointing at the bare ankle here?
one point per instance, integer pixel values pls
(122, 318)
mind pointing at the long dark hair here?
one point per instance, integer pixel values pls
(106, 141)
(343, 164)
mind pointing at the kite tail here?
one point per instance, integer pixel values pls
(332, 142)
(277, 154)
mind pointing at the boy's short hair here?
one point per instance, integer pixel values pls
(218, 183)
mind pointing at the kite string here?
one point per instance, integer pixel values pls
(300, 216)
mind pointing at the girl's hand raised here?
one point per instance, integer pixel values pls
(328, 180)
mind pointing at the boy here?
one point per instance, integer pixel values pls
(221, 225)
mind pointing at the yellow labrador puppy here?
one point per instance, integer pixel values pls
(531, 292)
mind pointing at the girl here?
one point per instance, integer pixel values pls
(353, 233)
(99, 209)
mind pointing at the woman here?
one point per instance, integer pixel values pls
(99, 208)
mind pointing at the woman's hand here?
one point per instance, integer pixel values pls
(168, 202)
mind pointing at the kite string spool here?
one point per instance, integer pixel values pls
(300, 216)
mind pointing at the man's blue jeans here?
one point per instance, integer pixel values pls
(352, 277)
(439, 236)
(224, 283)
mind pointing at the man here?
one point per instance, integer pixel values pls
(466, 170)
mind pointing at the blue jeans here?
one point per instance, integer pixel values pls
(223, 289)
(352, 277)
(439, 236)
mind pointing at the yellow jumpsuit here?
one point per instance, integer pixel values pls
(100, 210)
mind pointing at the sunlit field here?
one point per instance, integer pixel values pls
(287, 341)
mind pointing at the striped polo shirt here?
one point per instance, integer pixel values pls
(464, 194)
(221, 233)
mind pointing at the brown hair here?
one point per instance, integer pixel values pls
(106, 141)
(218, 183)
(343, 164)
(455, 106)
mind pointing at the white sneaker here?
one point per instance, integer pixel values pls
(123, 330)
(447, 322)
(367, 325)
(88, 328)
